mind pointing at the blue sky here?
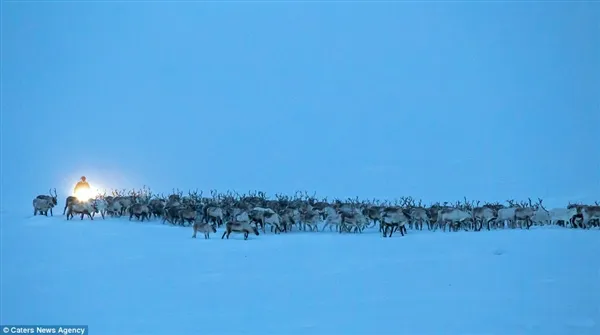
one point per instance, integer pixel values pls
(434, 100)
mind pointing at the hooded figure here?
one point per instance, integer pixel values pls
(82, 185)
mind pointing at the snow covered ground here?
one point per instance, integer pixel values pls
(122, 277)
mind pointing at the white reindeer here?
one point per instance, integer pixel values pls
(455, 216)
(332, 218)
(42, 206)
(274, 220)
(504, 215)
(562, 214)
(589, 213)
(541, 216)
(394, 218)
(81, 207)
(101, 206)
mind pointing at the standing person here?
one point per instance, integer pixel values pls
(82, 189)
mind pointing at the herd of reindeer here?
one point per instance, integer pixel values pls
(248, 213)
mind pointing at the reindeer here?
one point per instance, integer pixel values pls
(204, 228)
(52, 200)
(373, 213)
(238, 215)
(124, 201)
(274, 220)
(541, 215)
(42, 206)
(483, 215)
(418, 216)
(101, 206)
(257, 216)
(589, 213)
(318, 206)
(68, 202)
(563, 215)
(456, 217)
(171, 214)
(507, 214)
(310, 218)
(239, 227)
(114, 207)
(432, 212)
(187, 215)
(157, 207)
(525, 213)
(174, 200)
(81, 207)
(332, 218)
(289, 217)
(394, 218)
(213, 214)
(345, 208)
(140, 211)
